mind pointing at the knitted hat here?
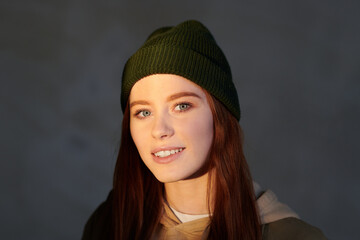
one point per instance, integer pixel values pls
(188, 50)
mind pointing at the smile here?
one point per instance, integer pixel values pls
(167, 153)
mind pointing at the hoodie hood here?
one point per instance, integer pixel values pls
(270, 209)
(171, 227)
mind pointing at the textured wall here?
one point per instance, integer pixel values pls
(296, 66)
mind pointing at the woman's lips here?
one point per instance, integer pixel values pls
(167, 155)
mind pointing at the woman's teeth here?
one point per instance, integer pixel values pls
(167, 152)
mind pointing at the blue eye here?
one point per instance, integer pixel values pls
(143, 113)
(182, 106)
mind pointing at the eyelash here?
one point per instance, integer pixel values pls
(137, 113)
(189, 105)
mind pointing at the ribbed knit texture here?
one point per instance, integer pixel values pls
(188, 50)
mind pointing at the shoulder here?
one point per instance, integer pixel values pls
(291, 228)
(98, 225)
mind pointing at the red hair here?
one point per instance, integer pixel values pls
(138, 195)
(235, 214)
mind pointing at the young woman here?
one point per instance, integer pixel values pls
(181, 172)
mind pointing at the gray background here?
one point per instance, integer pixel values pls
(296, 67)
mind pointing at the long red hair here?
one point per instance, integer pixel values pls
(138, 195)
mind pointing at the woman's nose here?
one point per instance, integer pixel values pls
(162, 127)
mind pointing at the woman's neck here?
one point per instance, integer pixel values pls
(189, 196)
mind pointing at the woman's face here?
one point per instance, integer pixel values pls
(172, 126)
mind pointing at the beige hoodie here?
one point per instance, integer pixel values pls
(270, 210)
(278, 220)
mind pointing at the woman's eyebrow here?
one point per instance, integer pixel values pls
(182, 94)
(139, 102)
(170, 98)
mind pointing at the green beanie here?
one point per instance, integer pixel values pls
(188, 50)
